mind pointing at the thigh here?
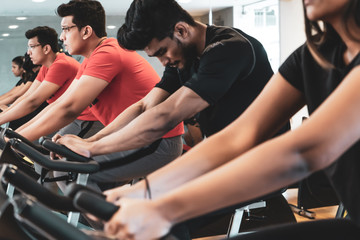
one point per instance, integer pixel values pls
(167, 151)
(81, 128)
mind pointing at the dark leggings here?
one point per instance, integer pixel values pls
(315, 230)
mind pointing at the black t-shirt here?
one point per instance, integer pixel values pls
(302, 71)
(230, 73)
(21, 81)
(32, 76)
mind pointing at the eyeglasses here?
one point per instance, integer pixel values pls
(67, 29)
(32, 47)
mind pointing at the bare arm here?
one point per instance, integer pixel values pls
(45, 110)
(15, 94)
(33, 86)
(30, 102)
(80, 95)
(259, 122)
(11, 91)
(278, 163)
(153, 98)
(147, 127)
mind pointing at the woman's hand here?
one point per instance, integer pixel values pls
(137, 220)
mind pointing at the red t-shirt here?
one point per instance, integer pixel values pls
(130, 78)
(62, 72)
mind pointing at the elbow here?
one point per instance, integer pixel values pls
(165, 121)
(34, 103)
(69, 110)
(313, 158)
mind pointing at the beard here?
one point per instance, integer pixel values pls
(189, 54)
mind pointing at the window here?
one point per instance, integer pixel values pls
(260, 19)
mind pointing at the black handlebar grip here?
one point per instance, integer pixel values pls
(9, 133)
(63, 151)
(45, 221)
(73, 188)
(95, 205)
(58, 165)
(29, 186)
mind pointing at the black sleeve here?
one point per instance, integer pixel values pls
(291, 69)
(32, 77)
(220, 66)
(19, 82)
(170, 81)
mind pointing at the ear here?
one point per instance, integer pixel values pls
(181, 30)
(46, 48)
(86, 32)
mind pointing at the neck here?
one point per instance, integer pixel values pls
(93, 45)
(50, 59)
(200, 37)
(353, 46)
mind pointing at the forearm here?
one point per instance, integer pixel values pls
(17, 111)
(217, 189)
(142, 131)
(34, 119)
(206, 156)
(8, 100)
(119, 122)
(18, 94)
(5, 95)
(52, 120)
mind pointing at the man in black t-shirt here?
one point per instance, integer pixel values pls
(214, 71)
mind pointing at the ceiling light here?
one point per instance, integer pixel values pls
(111, 27)
(38, 1)
(21, 18)
(5, 34)
(184, 1)
(13, 26)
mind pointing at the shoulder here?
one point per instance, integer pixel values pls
(108, 51)
(62, 60)
(225, 37)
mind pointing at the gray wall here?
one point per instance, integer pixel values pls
(17, 45)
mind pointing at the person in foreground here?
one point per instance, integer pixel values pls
(324, 73)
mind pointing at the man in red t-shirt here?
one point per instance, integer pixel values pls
(110, 80)
(55, 76)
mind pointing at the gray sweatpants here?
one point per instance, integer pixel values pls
(168, 150)
(83, 129)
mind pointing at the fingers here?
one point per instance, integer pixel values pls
(92, 217)
(112, 227)
(56, 137)
(113, 195)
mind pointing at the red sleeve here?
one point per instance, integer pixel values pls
(103, 64)
(42, 72)
(60, 72)
(82, 68)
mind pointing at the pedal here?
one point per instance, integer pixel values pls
(303, 212)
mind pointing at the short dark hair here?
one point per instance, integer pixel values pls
(149, 19)
(46, 35)
(85, 12)
(19, 60)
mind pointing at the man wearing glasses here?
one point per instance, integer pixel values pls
(109, 80)
(55, 76)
